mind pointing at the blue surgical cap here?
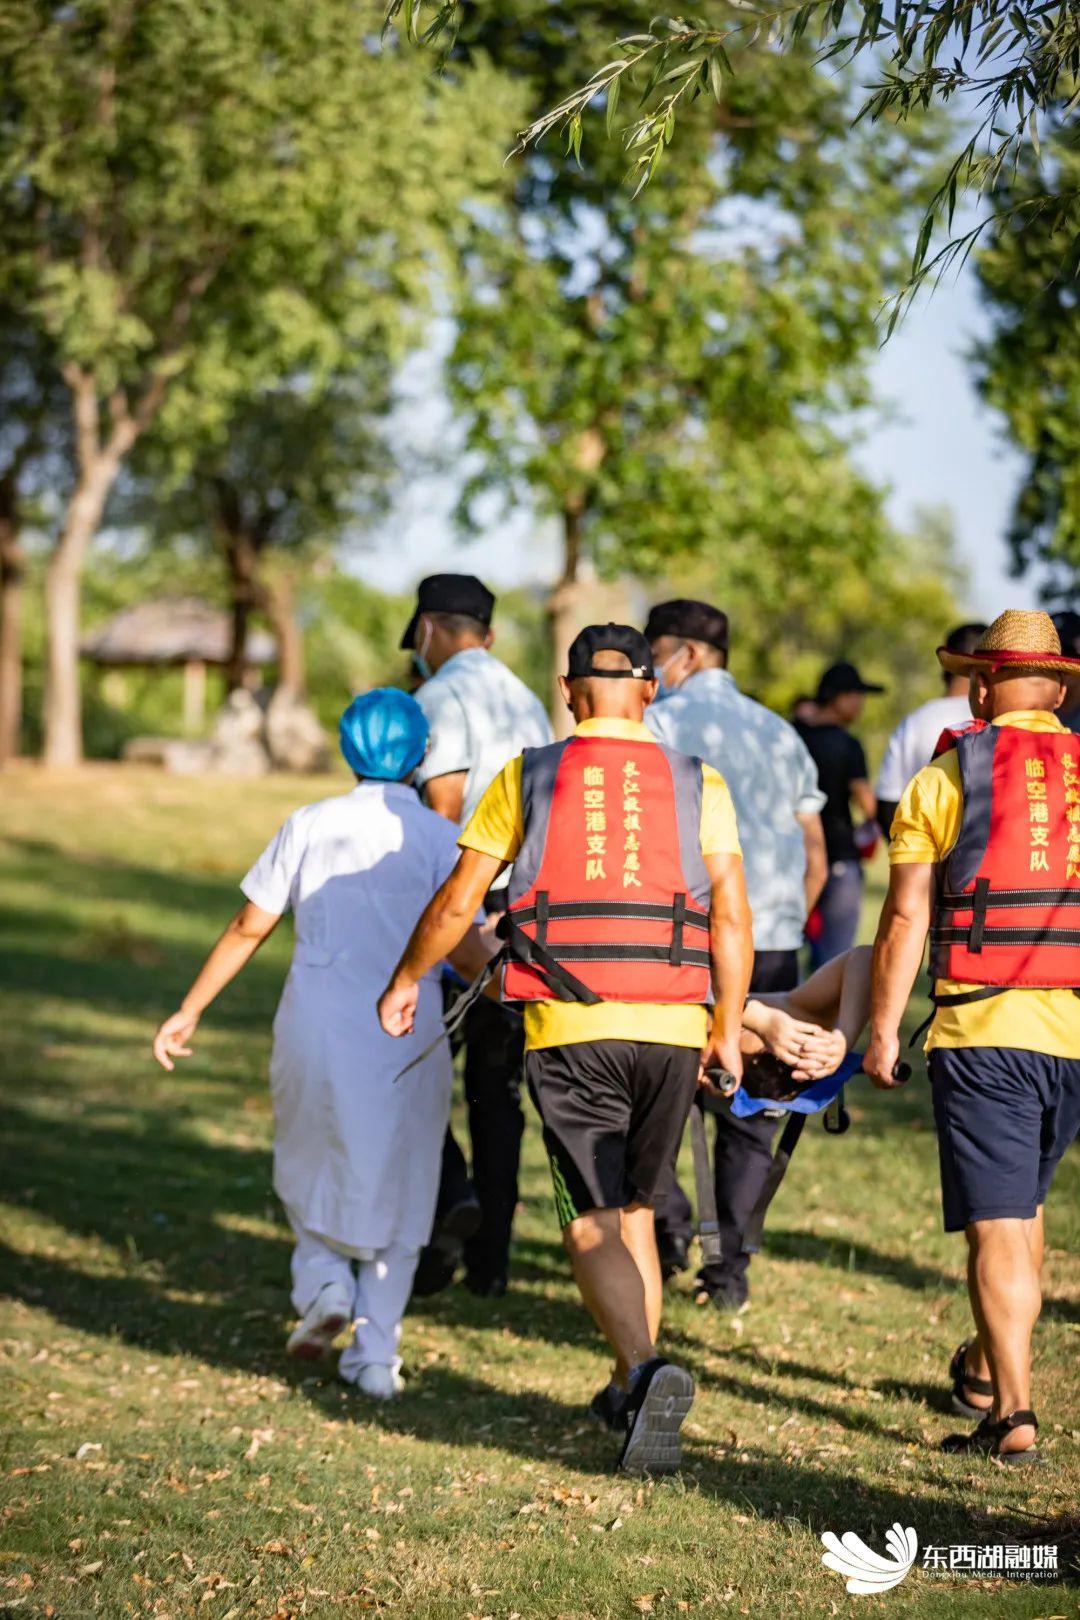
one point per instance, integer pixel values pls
(383, 734)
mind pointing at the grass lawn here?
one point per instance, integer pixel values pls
(159, 1455)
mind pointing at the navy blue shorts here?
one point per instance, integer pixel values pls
(1004, 1119)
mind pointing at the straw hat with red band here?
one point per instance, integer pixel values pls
(1024, 643)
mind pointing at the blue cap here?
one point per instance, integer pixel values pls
(383, 734)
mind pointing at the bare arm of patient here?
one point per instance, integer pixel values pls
(814, 1026)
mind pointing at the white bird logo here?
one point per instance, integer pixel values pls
(866, 1570)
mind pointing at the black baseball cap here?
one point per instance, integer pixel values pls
(966, 637)
(621, 638)
(690, 621)
(450, 593)
(843, 678)
(1067, 625)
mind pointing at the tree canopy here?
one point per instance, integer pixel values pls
(1004, 61)
(677, 372)
(195, 204)
(1029, 366)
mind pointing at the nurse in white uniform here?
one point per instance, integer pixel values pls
(356, 1156)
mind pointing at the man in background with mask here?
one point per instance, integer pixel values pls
(480, 715)
(774, 787)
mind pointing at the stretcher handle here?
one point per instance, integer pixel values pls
(901, 1072)
(722, 1079)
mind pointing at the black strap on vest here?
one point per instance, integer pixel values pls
(675, 955)
(978, 914)
(1004, 899)
(611, 911)
(989, 937)
(523, 948)
(453, 1020)
(982, 992)
(549, 958)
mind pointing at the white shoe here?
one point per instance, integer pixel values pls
(323, 1320)
(380, 1382)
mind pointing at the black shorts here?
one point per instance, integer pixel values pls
(1005, 1118)
(613, 1115)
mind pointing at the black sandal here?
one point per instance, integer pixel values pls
(962, 1380)
(986, 1440)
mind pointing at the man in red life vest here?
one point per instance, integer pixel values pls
(985, 854)
(627, 915)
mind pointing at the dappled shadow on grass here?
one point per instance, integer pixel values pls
(110, 967)
(848, 1254)
(195, 1282)
(192, 1281)
(447, 1407)
(172, 1208)
(108, 985)
(106, 878)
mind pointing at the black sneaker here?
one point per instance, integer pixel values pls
(608, 1406)
(434, 1271)
(660, 1397)
(485, 1287)
(441, 1257)
(459, 1223)
(674, 1256)
(728, 1301)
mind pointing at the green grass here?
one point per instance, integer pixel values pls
(159, 1455)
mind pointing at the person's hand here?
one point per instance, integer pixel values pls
(171, 1040)
(819, 1055)
(721, 1053)
(786, 1037)
(397, 1007)
(883, 1054)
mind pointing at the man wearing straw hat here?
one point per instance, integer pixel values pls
(985, 856)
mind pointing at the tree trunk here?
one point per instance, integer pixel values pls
(280, 609)
(564, 614)
(12, 567)
(63, 582)
(241, 555)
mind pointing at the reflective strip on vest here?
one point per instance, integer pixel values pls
(1006, 912)
(610, 879)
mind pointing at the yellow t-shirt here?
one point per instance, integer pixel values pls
(924, 829)
(497, 827)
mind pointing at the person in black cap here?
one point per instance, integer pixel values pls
(774, 787)
(912, 744)
(480, 715)
(843, 776)
(1067, 625)
(627, 910)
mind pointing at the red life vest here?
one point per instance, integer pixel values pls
(1008, 907)
(609, 895)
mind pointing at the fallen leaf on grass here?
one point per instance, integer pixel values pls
(92, 1569)
(259, 1437)
(86, 1448)
(644, 1603)
(281, 1548)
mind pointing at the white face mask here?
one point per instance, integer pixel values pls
(420, 663)
(666, 688)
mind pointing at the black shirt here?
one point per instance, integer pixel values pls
(840, 761)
